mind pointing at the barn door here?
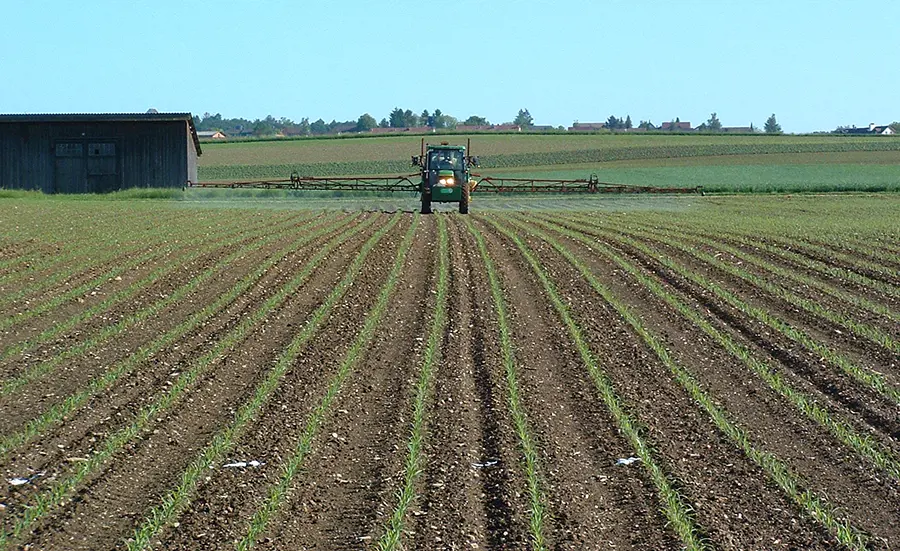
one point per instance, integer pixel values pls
(70, 168)
(102, 167)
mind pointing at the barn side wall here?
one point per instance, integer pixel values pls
(148, 153)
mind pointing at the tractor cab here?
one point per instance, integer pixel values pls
(445, 176)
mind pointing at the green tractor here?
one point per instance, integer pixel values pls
(445, 175)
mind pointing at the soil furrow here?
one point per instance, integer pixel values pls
(220, 509)
(471, 478)
(103, 413)
(182, 431)
(827, 466)
(735, 504)
(593, 501)
(344, 493)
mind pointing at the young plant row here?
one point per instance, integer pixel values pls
(795, 275)
(124, 244)
(861, 329)
(197, 249)
(791, 484)
(864, 330)
(40, 369)
(179, 498)
(674, 506)
(60, 492)
(537, 499)
(61, 410)
(197, 237)
(880, 455)
(289, 468)
(787, 250)
(867, 377)
(393, 532)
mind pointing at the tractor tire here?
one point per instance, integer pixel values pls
(426, 202)
(464, 200)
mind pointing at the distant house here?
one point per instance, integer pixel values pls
(211, 135)
(344, 127)
(587, 126)
(678, 126)
(474, 127)
(870, 130)
(488, 128)
(402, 130)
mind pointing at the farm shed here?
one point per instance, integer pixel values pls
(97, 153)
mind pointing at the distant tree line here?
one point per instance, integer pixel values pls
(406, 118)
(398, 118)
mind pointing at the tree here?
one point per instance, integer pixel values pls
(475, 120)
(713, 124)
(628, 124)
(318, 127)
(397, 120)
(263, 128)
(646, 125)
(365, 123)
(614, 123)
(895, 126)
(772, 126)
(752, 128)
(523, 119)
(410, 118)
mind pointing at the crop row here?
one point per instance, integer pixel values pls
(175, 256)
(60, 491)
(82, 254)
(879, 455)
(57, 412)
(778, 471)
(867, 377)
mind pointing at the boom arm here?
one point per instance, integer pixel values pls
(589, 185)
(358, 183)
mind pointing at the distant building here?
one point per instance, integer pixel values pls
(541, 127)
(344, 127)
(97, 153)
(488, 128)
(402, 130)
(587, 126)
(678, 126)
(211, 135)
(736, 130)
(872, 129)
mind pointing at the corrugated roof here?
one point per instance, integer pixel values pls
(106, 117)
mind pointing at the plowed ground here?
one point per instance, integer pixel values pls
(155, 457)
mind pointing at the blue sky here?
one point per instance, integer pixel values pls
(815, 65)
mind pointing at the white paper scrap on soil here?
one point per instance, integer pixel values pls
(627, 460)
(241, 464)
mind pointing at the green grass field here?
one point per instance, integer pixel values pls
(721, 164)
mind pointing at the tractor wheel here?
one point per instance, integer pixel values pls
(464, 200)
(426, 202)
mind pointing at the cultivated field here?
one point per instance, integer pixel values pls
(757, 163)
(697, 372)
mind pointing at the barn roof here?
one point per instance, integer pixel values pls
(106, 117)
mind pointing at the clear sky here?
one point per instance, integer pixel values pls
(815, 64)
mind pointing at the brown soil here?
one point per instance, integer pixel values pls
(472, 492)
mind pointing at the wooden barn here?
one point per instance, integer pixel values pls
(87, 153)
